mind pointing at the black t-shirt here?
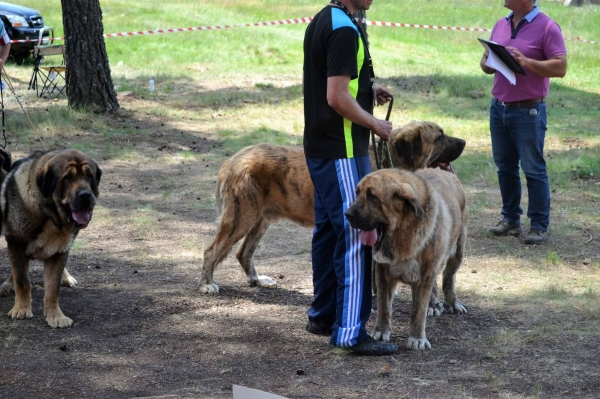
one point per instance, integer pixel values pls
(333, 47)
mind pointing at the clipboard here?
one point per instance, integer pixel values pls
(504, 55)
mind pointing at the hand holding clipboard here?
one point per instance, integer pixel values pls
(501, 60)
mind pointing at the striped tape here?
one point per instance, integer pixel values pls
(293, 22)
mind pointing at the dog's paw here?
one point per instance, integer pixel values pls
(381, 333)
(266, 281)
(209, 288)
(419, 344)
(6, 288)
(18, 312)
(436, 310)
(456, 307)
(58, 320)
(68, 281)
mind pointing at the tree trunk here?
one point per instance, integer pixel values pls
(89, 84)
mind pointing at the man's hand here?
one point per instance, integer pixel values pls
(382, 129)
(484, 67)
(518, 56)
(344, 104)
(382, 95)
(555, 67)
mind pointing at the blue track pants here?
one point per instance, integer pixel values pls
(341, 264)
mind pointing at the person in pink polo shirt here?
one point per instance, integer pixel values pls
(518, 115)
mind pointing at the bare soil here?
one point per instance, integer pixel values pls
(142, 329)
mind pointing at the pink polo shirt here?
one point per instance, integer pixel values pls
(539, 38)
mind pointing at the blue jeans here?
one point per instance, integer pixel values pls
(518, 136)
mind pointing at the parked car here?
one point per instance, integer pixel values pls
(22, 23)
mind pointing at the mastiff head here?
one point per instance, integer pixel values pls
(419, 145)
(389, 212)
(70, 180)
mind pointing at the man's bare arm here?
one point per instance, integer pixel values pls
(339, 98)
(4, 51)
(555, 67)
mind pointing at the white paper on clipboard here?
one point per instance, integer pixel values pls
(493, 61)
(240, 392)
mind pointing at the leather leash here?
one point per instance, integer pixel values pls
(382, 148)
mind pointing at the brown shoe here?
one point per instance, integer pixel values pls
(535, 237)
(506, 228)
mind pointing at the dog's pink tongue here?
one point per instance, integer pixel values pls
(82, 217)
(368, 237)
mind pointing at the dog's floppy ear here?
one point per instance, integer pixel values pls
(96, 180)
(408, 147)
(406, 195)
(46, 181)
(5, 160)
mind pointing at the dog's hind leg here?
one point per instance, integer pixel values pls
(436, 307)
(451, 302)
(231, 229)
(67, 280)
(8, 286)
(245, 254)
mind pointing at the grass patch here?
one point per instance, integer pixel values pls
(234, 141)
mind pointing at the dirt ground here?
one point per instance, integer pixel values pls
(142, 329)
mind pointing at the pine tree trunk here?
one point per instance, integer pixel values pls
(89, 84)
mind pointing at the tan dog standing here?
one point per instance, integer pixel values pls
(421, 222)
(46, 199)
(265, 183)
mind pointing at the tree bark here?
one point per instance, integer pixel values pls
(89, 84)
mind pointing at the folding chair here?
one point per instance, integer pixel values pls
(48, 79)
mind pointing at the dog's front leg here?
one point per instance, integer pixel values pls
(386, 286)
(53, 270)
(20, 278)
(421, 293)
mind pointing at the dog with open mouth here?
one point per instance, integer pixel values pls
(265, 183)
(46, 199)
(417, 225)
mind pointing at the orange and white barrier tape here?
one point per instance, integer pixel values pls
(293, 22)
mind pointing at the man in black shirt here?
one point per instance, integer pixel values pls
(338, 107)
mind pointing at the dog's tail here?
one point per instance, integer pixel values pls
(219, 196)
(235, 187)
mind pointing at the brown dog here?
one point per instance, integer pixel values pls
(263, 184)
(47, 198)
(421, 218)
